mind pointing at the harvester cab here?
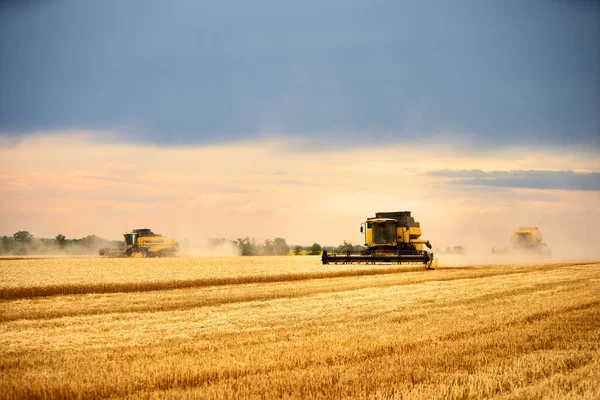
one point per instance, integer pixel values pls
(129, 238)
(379, 231)
(390, 238)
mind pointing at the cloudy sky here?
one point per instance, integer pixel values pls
(300, 118)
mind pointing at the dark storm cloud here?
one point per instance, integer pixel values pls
(532, 179)
(197, 72)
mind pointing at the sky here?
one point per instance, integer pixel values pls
(300, 119)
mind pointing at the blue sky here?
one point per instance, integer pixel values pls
(566, 180)
(200, 72)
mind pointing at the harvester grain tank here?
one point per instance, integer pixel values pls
(143, 243)
(390, 238)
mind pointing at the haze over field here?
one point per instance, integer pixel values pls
(221, 119)
(269, 189)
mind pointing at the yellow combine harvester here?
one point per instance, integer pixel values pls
(527, 241)
(390, 238)
(143, 243)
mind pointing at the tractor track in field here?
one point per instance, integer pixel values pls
(14, 293)
(263, 292)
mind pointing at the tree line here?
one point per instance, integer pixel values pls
(23, 243)
(270, 247)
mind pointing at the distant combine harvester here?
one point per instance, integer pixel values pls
(143, 243)
(526, 241)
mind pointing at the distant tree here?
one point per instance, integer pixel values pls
(297, 250)
(346, 246)
(61, 240)
(23, 241)
(89, 244)
(247, 246)
(280, 247)
(23, 237)
(7, 244)
(90, 241)
(268, 248)
(315, 249)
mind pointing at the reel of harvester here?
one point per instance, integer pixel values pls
(382, 257)
(390, 238)
(113, 253)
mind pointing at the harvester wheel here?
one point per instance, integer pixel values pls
(144, 252)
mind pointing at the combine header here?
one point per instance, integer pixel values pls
(143, 243)
(390, 238)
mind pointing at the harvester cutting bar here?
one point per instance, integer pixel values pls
(350, 257)
(112, 252)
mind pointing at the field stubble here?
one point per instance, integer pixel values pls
(298, 329)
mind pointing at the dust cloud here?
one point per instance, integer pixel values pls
(208, 248)
(487, 239)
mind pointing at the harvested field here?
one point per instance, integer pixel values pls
(291, 327)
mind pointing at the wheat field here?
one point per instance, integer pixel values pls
(289, 327)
